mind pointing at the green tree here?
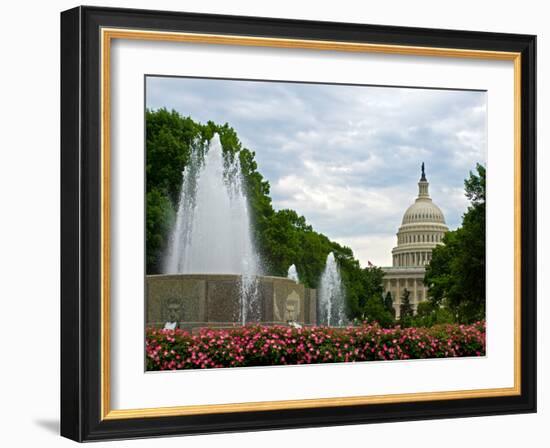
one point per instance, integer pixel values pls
(406, 311)
(428, 315)
(456, 274)
(388, 303)
(371, 305)
(169, 138)
(157, 224)
(375, 311)
(372, 282)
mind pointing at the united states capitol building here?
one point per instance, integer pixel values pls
(421, 230)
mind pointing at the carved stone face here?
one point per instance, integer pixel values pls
(292, 307)
(173, 310)
(290, 312)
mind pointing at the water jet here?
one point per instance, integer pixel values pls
(331, 295)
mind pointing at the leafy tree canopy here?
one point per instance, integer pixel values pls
(406, 310)
(456, 273)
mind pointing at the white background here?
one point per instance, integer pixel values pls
(29, 229)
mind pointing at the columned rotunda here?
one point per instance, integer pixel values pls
(421, 230)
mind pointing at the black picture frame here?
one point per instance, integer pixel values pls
(81, 224)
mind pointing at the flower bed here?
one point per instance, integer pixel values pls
(281, 345)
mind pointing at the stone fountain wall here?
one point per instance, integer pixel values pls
(205, 300)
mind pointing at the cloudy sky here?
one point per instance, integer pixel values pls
(346, 157)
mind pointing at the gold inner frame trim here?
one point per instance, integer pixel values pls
(107, 35)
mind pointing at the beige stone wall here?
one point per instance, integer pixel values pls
(191, 293)
(213, 300)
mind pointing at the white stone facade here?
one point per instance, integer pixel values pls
(421, 230)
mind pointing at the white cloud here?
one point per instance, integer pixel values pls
(373, 248)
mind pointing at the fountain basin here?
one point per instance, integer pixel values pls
(214, 300)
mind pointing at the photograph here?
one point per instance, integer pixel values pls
(297, 223)
(273, 222)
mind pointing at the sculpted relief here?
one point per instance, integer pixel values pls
(290, 311)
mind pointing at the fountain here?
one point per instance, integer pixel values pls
(293, 273)
(212, 274)
(331, 295)
(212, 233)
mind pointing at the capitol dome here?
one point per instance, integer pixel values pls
(422, 229)
(423, 210)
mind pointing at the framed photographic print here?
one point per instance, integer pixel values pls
(273, 223)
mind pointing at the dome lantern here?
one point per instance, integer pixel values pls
(423, 210)
(423, 185)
